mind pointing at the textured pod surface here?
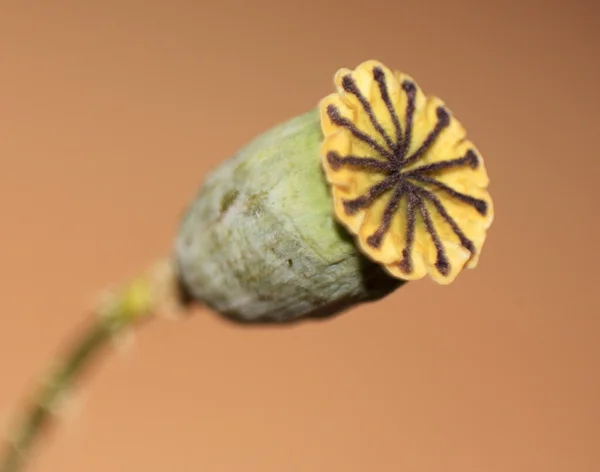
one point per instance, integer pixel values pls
(260, 243)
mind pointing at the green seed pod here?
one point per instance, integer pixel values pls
(281, 231)
(260, 241)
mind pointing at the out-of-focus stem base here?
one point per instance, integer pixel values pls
(155, 291)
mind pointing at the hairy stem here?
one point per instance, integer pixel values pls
(153, 292)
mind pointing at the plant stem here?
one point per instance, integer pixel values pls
(123, 309)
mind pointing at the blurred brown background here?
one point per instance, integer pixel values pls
(112, 113)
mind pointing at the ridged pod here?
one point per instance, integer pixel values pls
(378, 186)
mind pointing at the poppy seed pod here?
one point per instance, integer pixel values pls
(338, 206)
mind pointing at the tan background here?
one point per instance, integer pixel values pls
(111, 114)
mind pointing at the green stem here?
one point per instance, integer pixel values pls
(123, 310)
(41, 410)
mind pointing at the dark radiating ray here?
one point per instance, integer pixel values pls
(466, 242)
(469, 158)
(406, 264)
(379, 77)
(350, 86)
(336, 161)
(479, 205)
(411, 92)
(442, 263)
(365, 201)
(337, 119)
(443, 122)
(375, 239)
